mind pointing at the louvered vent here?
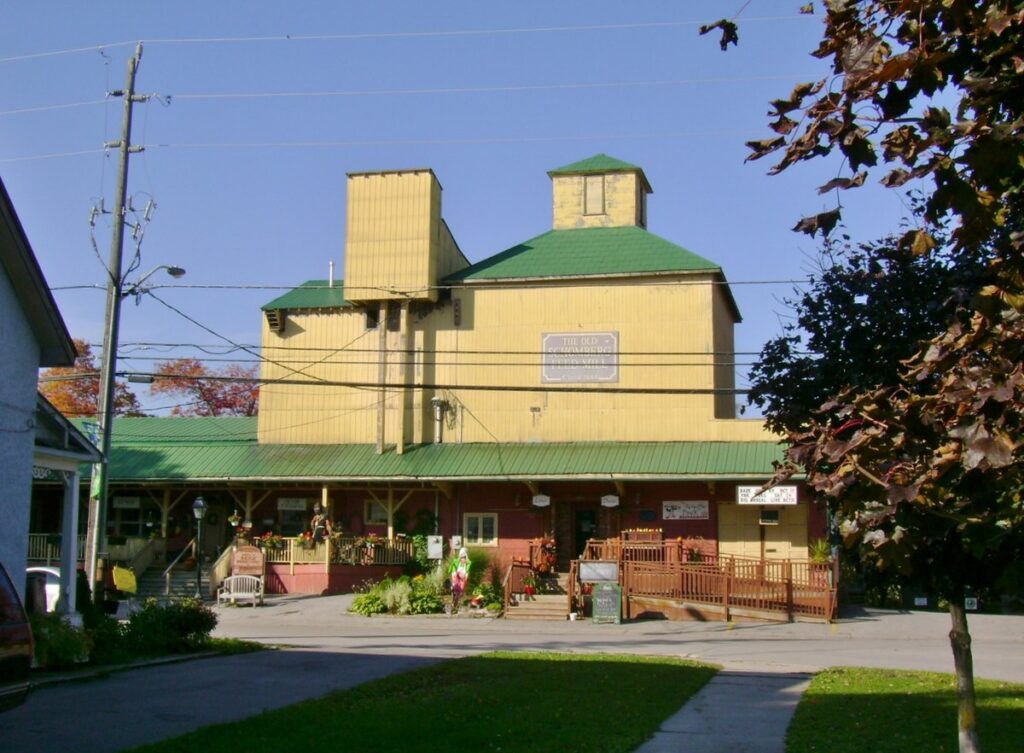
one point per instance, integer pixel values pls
(275, 319)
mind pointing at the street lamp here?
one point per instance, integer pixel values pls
(199, 510)
(137, 289)
(98, 494)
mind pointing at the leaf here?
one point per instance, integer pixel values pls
(808, 9)
(730, 32)
(763, 147)
(825, 222)
(844, 183)
(923, 243)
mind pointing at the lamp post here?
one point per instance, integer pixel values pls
(116, 292)
(199, 510)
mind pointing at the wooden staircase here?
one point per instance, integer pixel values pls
(550, 603)
(183, 584)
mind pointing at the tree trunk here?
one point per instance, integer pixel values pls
(963, 663)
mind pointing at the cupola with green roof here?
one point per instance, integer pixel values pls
(599, 191)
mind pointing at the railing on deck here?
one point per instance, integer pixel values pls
(341, 550)
(684, 571)
(513, 580)
(46, 548)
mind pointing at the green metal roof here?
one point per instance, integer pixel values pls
(588, 252)
(225, 449)
(313, 294)
(600, 163)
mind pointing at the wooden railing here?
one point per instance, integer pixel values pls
(343, 550)
(689, 570)
(46, 547)
(775, 587)
(513, 580)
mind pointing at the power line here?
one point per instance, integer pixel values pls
(431, 91)
(354, 36)
(402, 386)
(568, 281)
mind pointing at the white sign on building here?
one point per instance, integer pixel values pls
(692, 509)
(579, 357)
(777, 495)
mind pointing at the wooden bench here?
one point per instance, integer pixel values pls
(237, 588)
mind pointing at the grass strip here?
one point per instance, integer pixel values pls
(850, 710)
(501, 701)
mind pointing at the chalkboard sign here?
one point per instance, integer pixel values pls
(606, 603)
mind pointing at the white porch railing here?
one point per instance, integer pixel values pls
(46, 548)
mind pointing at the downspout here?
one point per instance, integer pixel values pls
(382, 371)
(403, 348)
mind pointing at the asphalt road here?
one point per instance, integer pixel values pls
(330, 649)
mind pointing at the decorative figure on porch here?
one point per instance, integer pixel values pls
(459, 574)
(320, 525)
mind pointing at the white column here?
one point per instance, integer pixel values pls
(69, 543)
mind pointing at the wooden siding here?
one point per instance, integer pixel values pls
(621, 207)
(740, 533)
(724, 346)
(498, 344)
(393, 237)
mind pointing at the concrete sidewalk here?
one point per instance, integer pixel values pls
(737, 712)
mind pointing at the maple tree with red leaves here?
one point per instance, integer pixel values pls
(930, 94)
(232, 391)
(74, 391)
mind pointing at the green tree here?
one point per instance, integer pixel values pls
(925, 472)
(867, 309)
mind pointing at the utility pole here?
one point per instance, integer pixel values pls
(98, 496)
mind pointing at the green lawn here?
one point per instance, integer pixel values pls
(507, 701)
(851, 710)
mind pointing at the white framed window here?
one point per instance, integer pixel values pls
(480, 529)
(374, 513)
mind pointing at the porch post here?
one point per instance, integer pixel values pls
(69, 543)
(391, 513)
(165, 513)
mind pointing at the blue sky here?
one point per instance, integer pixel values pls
(250, 189)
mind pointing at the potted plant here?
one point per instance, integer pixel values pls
(820, 551)
(530, 584)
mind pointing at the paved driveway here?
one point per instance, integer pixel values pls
(331, 649)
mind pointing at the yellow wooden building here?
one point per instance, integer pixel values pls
(577, 385)
(597, 337)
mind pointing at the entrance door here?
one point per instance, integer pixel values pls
(739, 532)
(585, 528)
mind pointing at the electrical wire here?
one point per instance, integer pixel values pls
(382, 35)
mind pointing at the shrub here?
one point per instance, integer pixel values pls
(109, 645)
(58, 643)
(172, 628)
(367, 604)
(422, 602)
(489, 596)
(396, 596)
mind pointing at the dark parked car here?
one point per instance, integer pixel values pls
(15, 645)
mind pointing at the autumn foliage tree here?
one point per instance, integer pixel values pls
(231, 391)
(924, 472)
(75, 391)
